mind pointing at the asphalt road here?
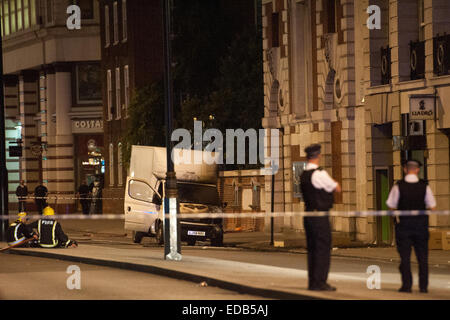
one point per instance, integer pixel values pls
(32, 278)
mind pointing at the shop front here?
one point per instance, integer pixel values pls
(89, 161)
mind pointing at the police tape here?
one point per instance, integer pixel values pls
(68, 198)
(234, 215)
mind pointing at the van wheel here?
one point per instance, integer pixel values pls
(191, 242)
(218, 241)
(137, 236)
(159, 234)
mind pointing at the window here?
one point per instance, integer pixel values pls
(126, 82)
(421, 16)
(1, 18)
(12, 11)
(118, 97)
(111, 164)
(107, 31)
(6, 18)
(256, 196)
(275, 30)
(49, 11)
(88, 83)
(236, 202)
(140, 191)
(33, 12)
(26, 14)
(119, 165)
(116, 23)
(109, 95)
(124, 20)
(86, 7)
(19, 15)
(331, 16)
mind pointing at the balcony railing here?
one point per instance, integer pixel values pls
(385, 65)
(441, 54)
(417, 60)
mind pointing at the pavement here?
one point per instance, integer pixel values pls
(107, 244)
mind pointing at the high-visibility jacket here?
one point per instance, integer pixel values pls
(17, 232)
(50, 233)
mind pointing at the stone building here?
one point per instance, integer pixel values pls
(332, 78)
(52, 97)
(243, 191)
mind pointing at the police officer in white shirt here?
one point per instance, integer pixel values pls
(317, 189)
(412, 193)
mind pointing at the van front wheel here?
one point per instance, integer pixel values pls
(159, 234)
(137, 236)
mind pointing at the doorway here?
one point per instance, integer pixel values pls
(384, 223)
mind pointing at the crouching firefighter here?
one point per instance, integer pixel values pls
(18, 232)
(51, 234)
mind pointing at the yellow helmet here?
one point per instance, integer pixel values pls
(21, 215)
(48, 211)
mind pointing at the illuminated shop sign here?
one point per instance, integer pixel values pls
(93, 125)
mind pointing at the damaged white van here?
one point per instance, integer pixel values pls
(197, 193)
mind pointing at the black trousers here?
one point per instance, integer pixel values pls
(408, 236)
(22, 206)
(40, 205)
(85, 205)
(318, 240)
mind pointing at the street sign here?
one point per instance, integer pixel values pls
(421, 107)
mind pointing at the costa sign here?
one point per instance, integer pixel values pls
(88, 125)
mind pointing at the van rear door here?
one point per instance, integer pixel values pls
(140, 211)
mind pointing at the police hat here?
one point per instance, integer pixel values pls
(412, 162)
(312, 151)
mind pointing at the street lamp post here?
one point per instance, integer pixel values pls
(3, 170)
(172, 247)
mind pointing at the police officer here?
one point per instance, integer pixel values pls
(18, 231)
(412, 193)
(50, 232)
(317, 188)
(40, 194)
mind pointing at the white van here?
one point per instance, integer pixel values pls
(197, 193)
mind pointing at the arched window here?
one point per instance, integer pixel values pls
(119, 165)
(111, 164)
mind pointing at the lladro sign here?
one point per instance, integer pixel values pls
(421, 107)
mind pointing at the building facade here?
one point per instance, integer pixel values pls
(242, 191)
(132, 57)
(52, 97)
(368, 81)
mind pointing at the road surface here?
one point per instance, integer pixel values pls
(33, 278)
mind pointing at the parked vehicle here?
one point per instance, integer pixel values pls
(197, 193)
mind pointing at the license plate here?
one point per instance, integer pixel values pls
(196, 233)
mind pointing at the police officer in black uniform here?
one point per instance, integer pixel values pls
(412, 193)
(50, 232)
(40, 194)
(317, 188)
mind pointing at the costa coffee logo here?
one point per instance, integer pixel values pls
(88, 124)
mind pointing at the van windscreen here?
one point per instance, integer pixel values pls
(198, 193)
